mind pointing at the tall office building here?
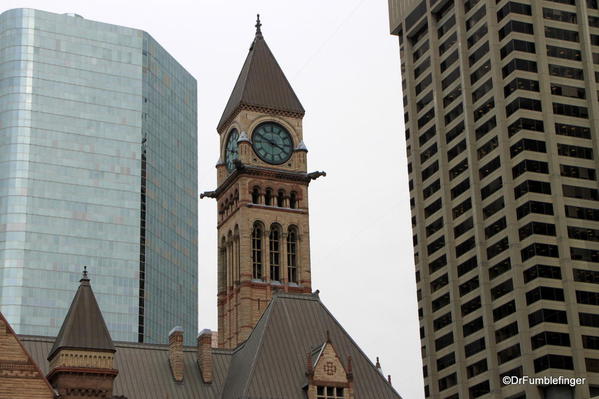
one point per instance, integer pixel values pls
(98, 157)
(502, 130)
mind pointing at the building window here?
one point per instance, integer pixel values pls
(563, 52)
(548, 316)
(504, 310)
(508, 354)
(467, 265)
(274, 242)
(293, 200)
(292, 255)
(268, 197)
(513, 7)
(485, 127)
(447, 44)
(544, 293)
(472, 327)
(561, 34)
(566, 72)
(553, 362)
(589, 319)
(439, 283)
(550, 338)
(479, 389)
(474, 347)
(542, 271)
(323, 392)
(515, 26)
(500, 268)
(506, 332)
(476, 368)
(281, 199)
(256, 195)
(445, 361)
(448, 381)
(257, 251)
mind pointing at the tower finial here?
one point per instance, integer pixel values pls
(258, 25)
(84, 276)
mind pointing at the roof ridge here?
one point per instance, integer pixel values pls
(265, 316)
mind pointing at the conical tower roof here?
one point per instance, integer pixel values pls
(261, 84)
(84, 326)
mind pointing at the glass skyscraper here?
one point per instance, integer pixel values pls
(98, 167)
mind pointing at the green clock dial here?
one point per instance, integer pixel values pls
(231, 151)
(272, 143)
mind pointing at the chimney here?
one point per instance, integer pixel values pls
(205, 355)
(175, 352)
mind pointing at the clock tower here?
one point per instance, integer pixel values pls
(262, 196)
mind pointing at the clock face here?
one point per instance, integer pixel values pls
(272, 143)
(231, 151)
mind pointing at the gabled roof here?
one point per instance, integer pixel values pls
(16, 362)
(262, 84)
(272, 362)
(84, 326)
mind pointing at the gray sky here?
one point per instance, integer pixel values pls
(344, 67)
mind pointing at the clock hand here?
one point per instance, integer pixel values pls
(272, 143)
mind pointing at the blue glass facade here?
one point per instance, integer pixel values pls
(98, 160)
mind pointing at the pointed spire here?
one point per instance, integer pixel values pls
(258, 25)
(84, 326)
(261, 85)
(378, 363)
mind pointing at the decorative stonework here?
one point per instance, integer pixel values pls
(328, 377)
(20, 377)
(75, 358)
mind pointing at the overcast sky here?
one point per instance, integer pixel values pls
(344, 67)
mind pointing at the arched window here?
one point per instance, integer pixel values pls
(293, 200)
(281, 199)
(256, 195)
(236, 255)
(257, 251)
(268, 197)
(230, 259)
(222, 265)
(292, 255)
(274, 240)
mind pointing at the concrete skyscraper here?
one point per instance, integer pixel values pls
(502, 127)
(98, 139)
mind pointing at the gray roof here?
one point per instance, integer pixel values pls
(144, 370)
(84, 326)
(271, 364)
(261, 83)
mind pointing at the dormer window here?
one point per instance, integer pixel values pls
(323, 392)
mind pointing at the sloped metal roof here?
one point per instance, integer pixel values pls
(261, 83)
(84, 326)
(144, 370)
(271, 364)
